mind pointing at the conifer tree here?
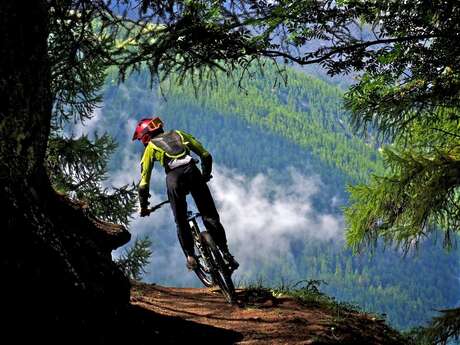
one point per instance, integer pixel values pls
(77, 166)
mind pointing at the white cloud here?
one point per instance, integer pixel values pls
(263, 218)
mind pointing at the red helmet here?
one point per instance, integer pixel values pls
(145, 129)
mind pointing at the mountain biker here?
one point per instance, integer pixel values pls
(172, 150)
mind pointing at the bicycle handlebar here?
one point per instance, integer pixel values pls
(157, 206)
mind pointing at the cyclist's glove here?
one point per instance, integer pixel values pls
(206, 178)
(206, 166)
(144, 212)
(143, 197)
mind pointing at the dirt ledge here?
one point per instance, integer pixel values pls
(191, 315)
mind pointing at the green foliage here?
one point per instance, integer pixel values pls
(410, 96)
(116, 206)
(78, 57)
(418, 193)
(134, 260)
(78, 167)
(79, 163)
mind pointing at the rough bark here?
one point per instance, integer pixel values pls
(59, 284)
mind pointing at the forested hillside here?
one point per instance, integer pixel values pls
(266, 127)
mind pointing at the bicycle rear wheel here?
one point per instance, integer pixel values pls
(220, 272)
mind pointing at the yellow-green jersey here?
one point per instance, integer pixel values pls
(172, 149)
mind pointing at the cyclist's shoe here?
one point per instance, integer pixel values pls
(191, 263)
(232, 263)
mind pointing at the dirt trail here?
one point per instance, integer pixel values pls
(190, 315)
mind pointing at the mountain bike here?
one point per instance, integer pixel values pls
(212, 268)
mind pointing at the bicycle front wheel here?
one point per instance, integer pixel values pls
(203, 271)
(220, 271)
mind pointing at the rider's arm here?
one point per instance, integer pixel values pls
(146, 172)
(197, 147)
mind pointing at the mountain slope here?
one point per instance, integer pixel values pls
(306, 111)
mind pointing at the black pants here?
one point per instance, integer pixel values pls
(188, 179)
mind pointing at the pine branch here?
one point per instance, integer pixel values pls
(78, 167)
(134, 260)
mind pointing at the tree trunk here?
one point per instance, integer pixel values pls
(57, 273)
